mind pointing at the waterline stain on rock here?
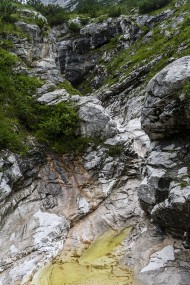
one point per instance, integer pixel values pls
(98, 265)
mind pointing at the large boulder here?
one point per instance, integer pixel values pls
(166, 110)
(95, 122)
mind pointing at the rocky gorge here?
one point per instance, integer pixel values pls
(118, 213)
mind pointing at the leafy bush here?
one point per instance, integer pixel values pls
(6, 10)
(42, 24)
(87, 6)
(20, 115)
(74, 27)
(115, 150)
(55, 14)
(57, 19)
(84, 21)
(151, 5)
(114, 12)
(15, 91)
(56, 126)
(9, 138)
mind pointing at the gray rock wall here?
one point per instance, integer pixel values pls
(165, 190)
(57, 205)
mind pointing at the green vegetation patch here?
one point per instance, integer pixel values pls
(7, 8)
(74, 27)
(115, 150)
(56, 127)
(147, 6)
(15, 102)
(20, 115)
(55, 14)
(159, 45)
(95, 8)
(68, 87)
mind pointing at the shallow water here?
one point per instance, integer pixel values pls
(98, 265)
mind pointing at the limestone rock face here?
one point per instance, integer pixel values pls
(40, 201)
(33, 47)
(78, 53)
(165, 190)
(54, 208)
(95, 121)
(37, 50)
(166, 111)
(58, 198)
(75, 53)
(62, 3)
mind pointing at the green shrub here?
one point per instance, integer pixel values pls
(114, 12)
(55, 126)
(57, 122)
(6, 10)
(74, 27)
(15, 95)
(151, 5)
(41, 23)
(84, 21)
(68, 87)
(115, 150)
(88, 6)
(55, 14)
(9, 137)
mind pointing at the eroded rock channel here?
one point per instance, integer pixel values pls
(118, 213)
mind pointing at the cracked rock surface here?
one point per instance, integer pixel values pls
(60, 210)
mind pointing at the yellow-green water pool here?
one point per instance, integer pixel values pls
(97, 265)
